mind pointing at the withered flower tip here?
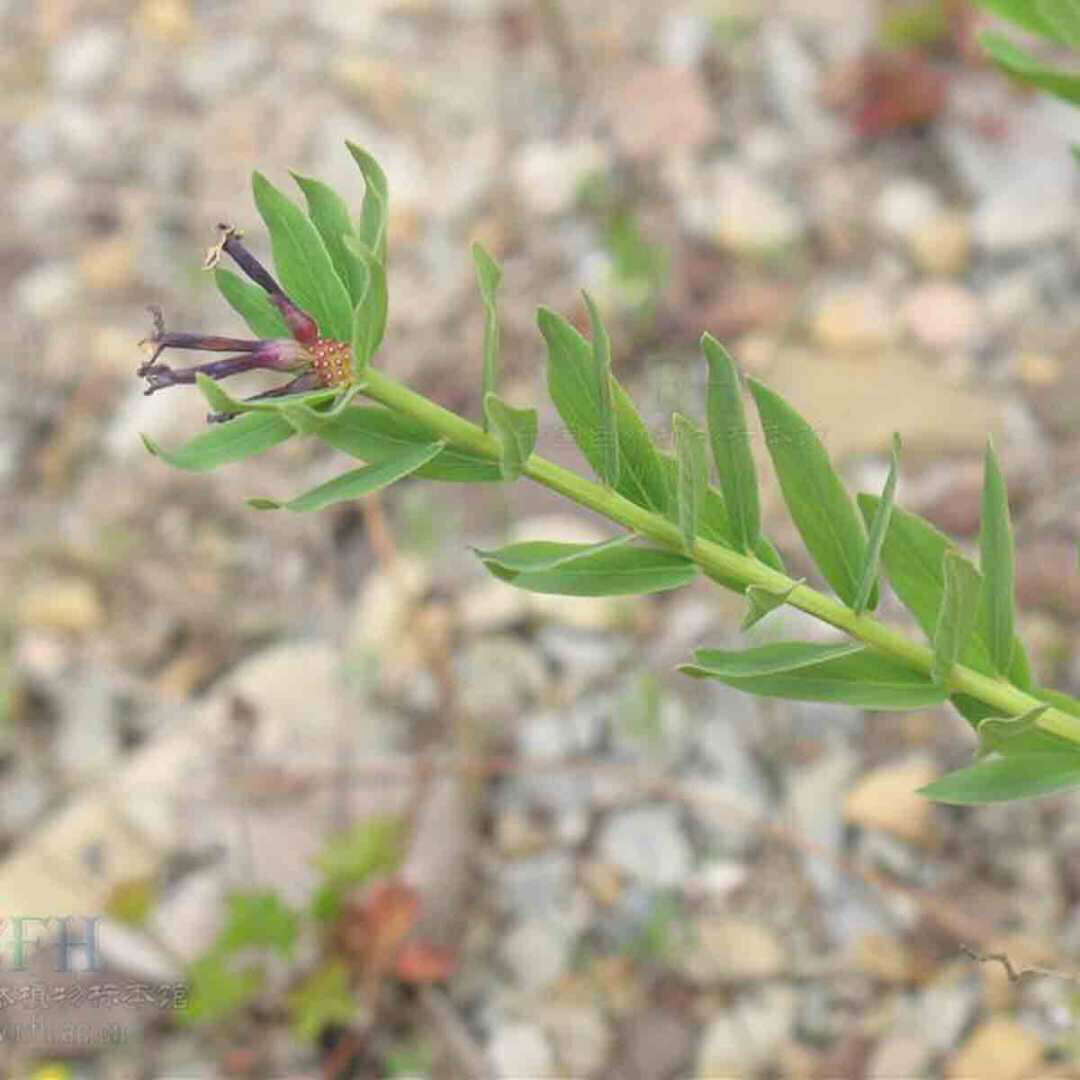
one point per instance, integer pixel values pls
(315, 361)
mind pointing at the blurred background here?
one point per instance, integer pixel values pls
(388, 816)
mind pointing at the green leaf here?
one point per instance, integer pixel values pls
(233, 440)
(323, 1000)
(252, 304)
(330, 216)
(302, 261)
(359, 853)
(258, 920)
(1059, 700)
(1029, 14)
(357, 483)
(1002, 734)
(488, 276)
(693, 477)
(712, 516)
(1062, 17)
(820, 506)
(221, 401)
(217, 991)
(849, 674)
(878, 527)
(369, 317)
(1062, 84)
(608, 431)
(956, 619)
(913, 555)
(997, 563)
(372, 433)
(308, 420)
(1000, 779)
(375, 211)
(761, 601)
(516, 430)
(574, 391)
(730, 440)
(589, 569)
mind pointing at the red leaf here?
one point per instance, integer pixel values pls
(392, 909)
(897, 91)
(423, 962)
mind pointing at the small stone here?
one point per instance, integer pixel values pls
(491, 606)
(84, 61)
(887, 798)
(904, 206)
(46, 290)
(900, 1055)
(548, 174)
(72, 605)
(734, 209)
(516, 834)
(745, 1038)
(998, 1049)
(582, 1038)
(732, 950)
(536, 952)
(1016, 219)
(882, 957)
(647, 843)
(942, 244)
(536, 885)
(946, 1006)
(854, 319)
(942, 315)
(168, 20)
(108, 265)
(641, 102)
(1037, 369)
(601, 881)
(519, 1050)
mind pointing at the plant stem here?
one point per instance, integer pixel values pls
(718, 562)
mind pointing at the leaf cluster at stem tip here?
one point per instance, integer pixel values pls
(683, 515)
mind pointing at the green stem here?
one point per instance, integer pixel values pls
(718, 562)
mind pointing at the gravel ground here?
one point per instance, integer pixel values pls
(639, 876)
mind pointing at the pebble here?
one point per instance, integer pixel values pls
(887, 798)
(998, 1049)
(647, 844)
(904, 206)
(900, 1055)
(581, 1036)
(745, 1037)
(942, 244)
(519, 1050)
(730, 949)
(538, 884)
(69, 604)
(83, 62)
(548, 174)
(942, 315)
(536, 952)
(47, 290)
(854, 318)
(1015, 220)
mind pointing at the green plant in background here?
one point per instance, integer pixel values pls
(677, 525)
(1055, 21)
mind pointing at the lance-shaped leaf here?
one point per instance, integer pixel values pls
(357, 483)
(1014, 734)
(1013, 776)
(729, 437)
(848, 674)
(1062, 84)
(607, 434)
(761, 601)
(1037, 16)
(372, 433)
(235, 440)
(302, 261)
(221, 401)
(573, 387)
(997, 563)
(878, 527)
(252, 304)
(488, 276)
(375, 210)
(308, 419)
(820, 506)
(693, 477)
(369, 317)
(330, 216)
(913, 555)
(589, 569)
(956, 618)
(516, 430)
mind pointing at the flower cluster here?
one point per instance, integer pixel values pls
(314, 362)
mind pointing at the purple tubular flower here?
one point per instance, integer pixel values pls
(315, 361)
